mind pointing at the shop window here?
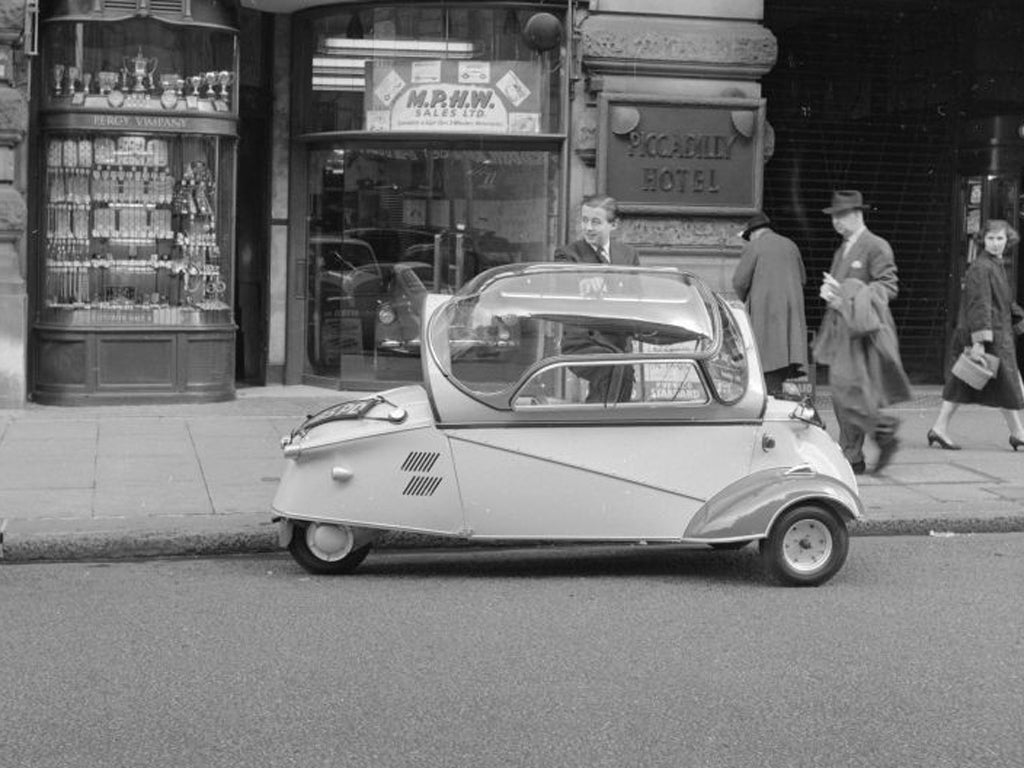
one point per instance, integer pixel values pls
(387, 224)
(134, 204)
(433, 152)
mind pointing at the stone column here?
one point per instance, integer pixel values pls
(14, 331)
(697, 49)
(281, 325)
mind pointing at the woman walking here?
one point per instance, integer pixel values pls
(985, 324)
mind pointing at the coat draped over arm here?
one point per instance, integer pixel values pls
(858, 342)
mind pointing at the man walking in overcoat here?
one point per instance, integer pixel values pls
(857, 340)
(770, 280)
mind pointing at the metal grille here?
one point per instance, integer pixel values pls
(421, 485)
(167, 7)
(848, 114)
(420, 461)
(155, 7)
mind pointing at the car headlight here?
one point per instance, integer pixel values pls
(807, 413)
(386, 314)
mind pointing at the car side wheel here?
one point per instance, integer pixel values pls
(327, 550)
(806, 546)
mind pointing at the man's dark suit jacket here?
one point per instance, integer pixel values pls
(579, 340)
(581, 251)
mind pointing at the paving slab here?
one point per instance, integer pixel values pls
(26, 504)
(930, 473)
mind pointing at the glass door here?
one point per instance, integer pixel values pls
(993, 196)
(388, 224)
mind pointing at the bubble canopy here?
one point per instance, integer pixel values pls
(509, 322)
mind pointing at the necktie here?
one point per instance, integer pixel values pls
(605, 257)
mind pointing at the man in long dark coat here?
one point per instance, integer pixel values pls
(857, 340)
(770, 279)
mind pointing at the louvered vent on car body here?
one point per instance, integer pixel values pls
(420, 461)
(166, 6)
(172, 8)
(421, 485)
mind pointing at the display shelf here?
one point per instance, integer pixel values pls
(139, 65)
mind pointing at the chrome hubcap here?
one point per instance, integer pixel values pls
(807, 545)
(329, 543)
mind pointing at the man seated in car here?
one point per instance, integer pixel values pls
(598, 219)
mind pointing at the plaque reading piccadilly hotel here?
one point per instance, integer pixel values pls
(665, 156)
(449, 96)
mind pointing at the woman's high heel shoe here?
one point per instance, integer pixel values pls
(948, 445)
(1015, 443)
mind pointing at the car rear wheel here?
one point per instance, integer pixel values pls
(327, 550)
(806, 546)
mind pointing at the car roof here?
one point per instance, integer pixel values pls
(664, 299)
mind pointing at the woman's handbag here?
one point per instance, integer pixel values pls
(973, 373)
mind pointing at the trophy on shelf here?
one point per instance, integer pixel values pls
(107, 82)
(192, 99)
(142, 70)
(58, 79)
(169, 85)
(209, 80)
(111, 85)
(77, 97)
(223, 81)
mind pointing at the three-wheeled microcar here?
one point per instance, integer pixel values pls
(529, 443)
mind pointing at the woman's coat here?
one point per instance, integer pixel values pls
(987, 313)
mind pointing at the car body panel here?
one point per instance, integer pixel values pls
(568, 479)
(373, 472)
(746, 509)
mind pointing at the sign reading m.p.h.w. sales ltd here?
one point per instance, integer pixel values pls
(454, 96)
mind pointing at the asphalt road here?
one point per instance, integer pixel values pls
(581, 658)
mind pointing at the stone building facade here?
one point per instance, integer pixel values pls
(13, 127)
(811, 96)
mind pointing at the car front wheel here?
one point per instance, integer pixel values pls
(806, 546)
(327, 550)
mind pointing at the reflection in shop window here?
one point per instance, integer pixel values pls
(388, 224)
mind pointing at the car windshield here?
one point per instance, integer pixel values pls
(509, 322)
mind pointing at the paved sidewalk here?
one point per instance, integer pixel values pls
(125, 481)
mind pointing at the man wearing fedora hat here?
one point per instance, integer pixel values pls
(769, 279)
(857, 339)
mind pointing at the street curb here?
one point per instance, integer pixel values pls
(135, 545)
(937, 525)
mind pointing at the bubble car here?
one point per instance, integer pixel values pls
(660, 431)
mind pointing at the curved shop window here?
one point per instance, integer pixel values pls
(432, 140)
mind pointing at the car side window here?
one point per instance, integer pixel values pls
(675, 382)
(728, 366)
